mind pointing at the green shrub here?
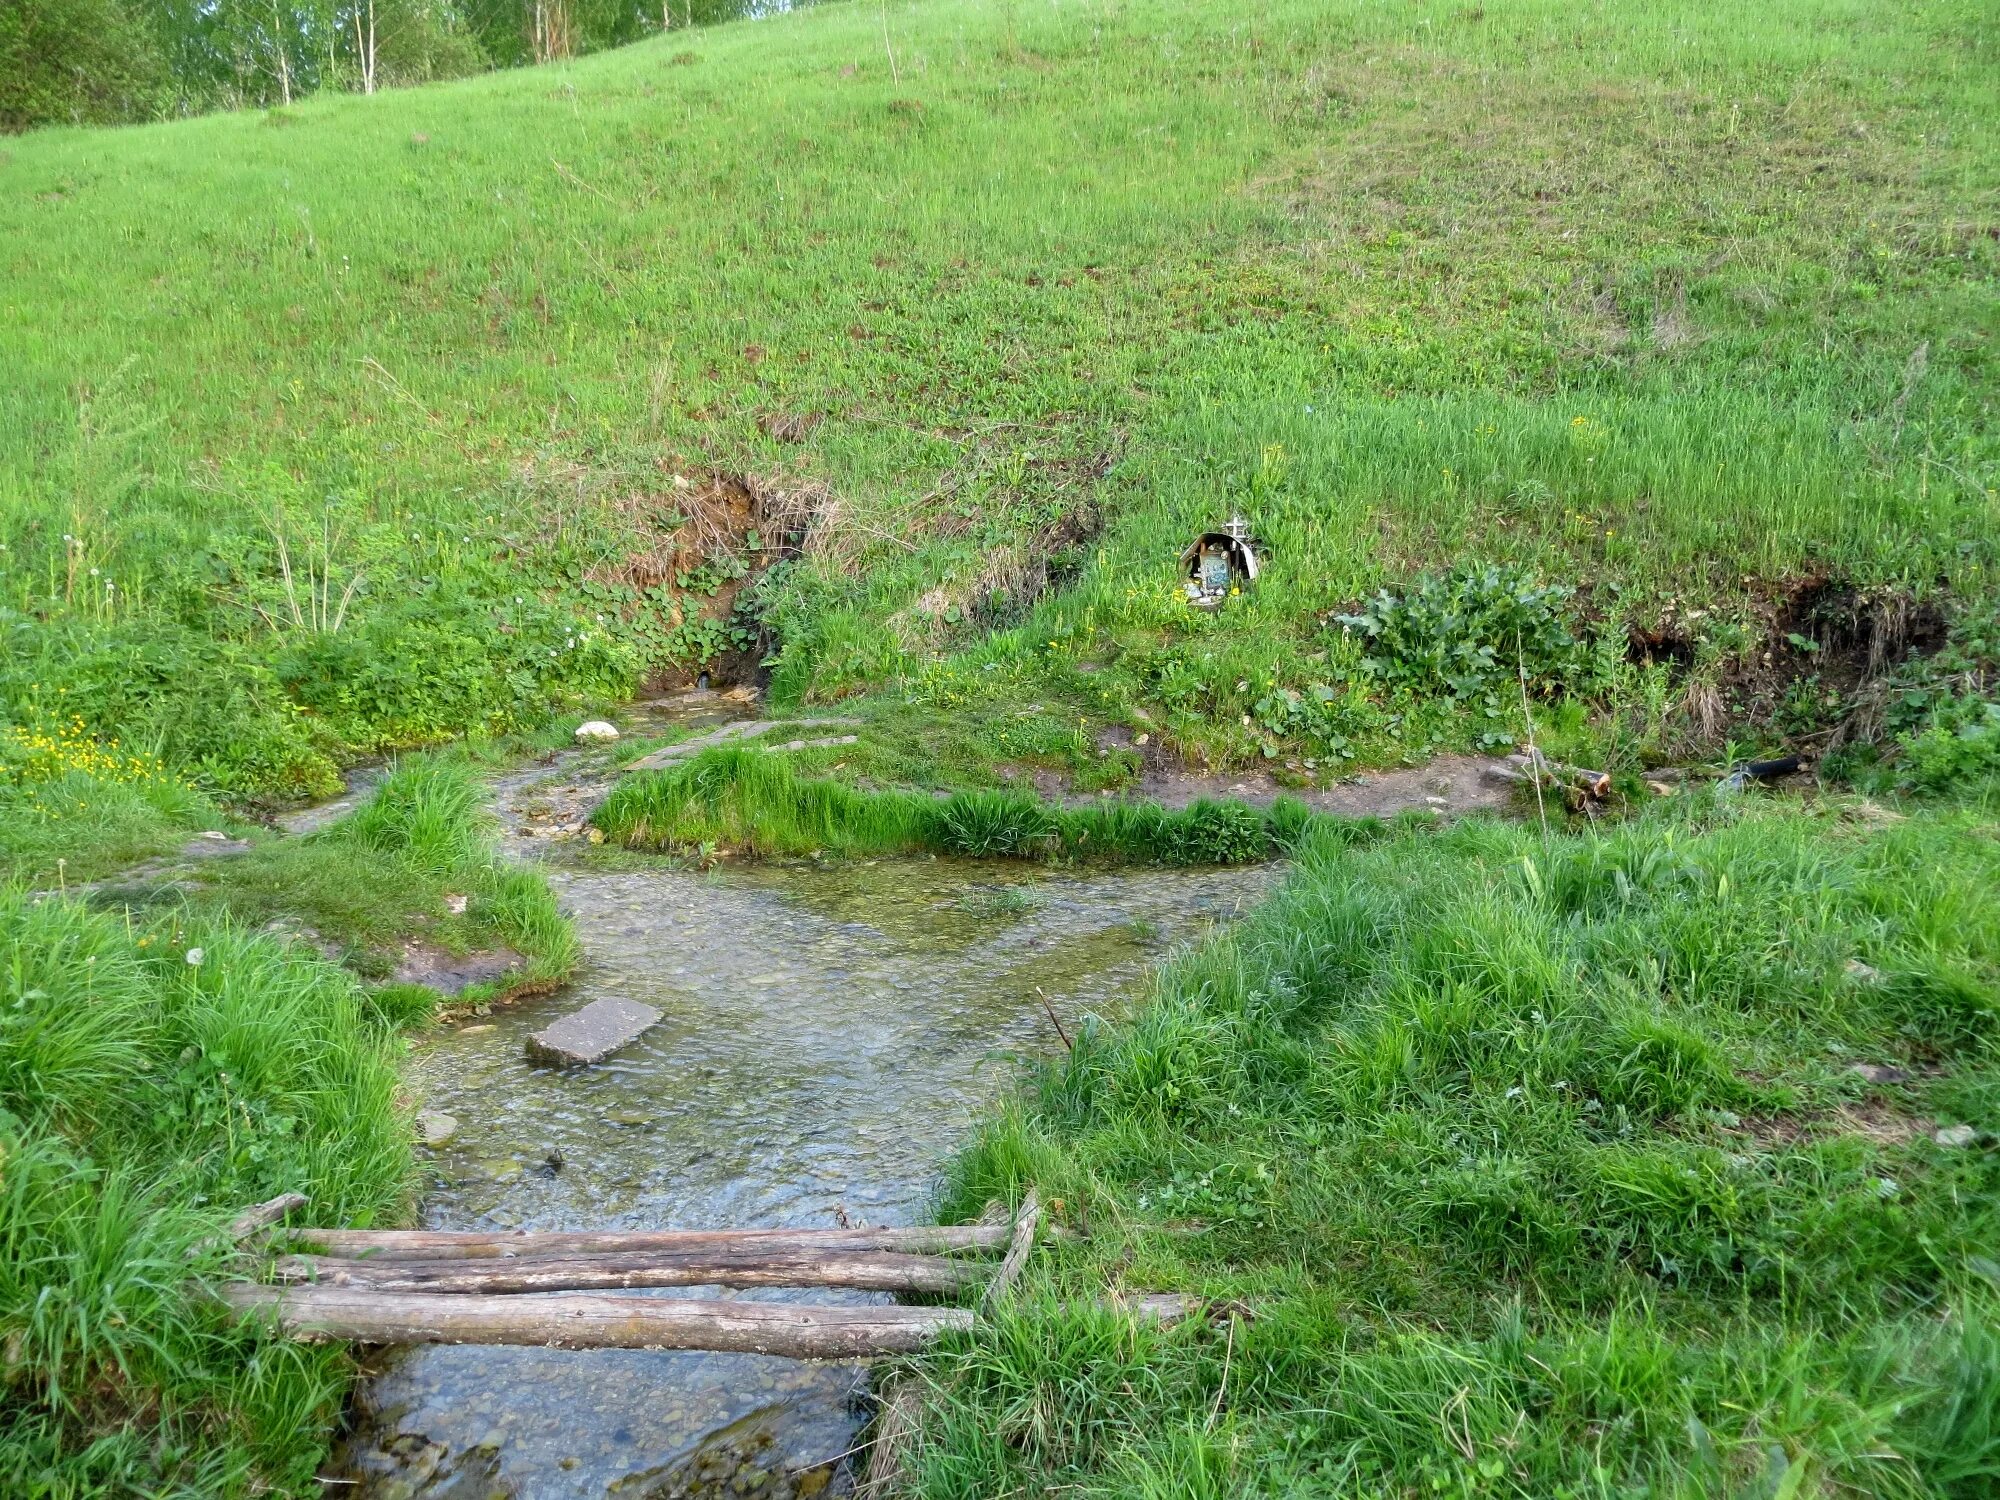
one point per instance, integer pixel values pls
(1469, 631)
(77, 62)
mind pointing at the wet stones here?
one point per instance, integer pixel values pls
(592, 1034)
(434, 1129)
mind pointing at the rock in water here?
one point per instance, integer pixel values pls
(435, 1129)
(591, 1034)
(596, 729)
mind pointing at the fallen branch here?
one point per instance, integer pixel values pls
(868, 1270)
(442, 1244)
(258, 1216)
(1017, 1251)
(582, 1321)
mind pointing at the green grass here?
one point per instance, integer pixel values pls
(155, 1078)
(79, 827)
(380, 422)
(384, 874)
(750, 800)
(1686, 304)
(164, 1065)
(1544, 1170)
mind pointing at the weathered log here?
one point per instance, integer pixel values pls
(1017, 1250)
(868, 1270)
(257, 1216)
(577, 1320)
(583, 1321)
(430, 1244)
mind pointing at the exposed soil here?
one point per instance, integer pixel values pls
(1448, 785)
(452, 973)
(1872, 1119)
(1825, 645)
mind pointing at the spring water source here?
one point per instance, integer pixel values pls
(831, 1034)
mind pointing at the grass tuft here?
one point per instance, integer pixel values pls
(748, 799)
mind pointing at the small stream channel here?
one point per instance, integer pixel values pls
(831, 1034)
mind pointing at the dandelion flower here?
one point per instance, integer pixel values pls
(194, 958)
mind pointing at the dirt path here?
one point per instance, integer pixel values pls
(1448, 785)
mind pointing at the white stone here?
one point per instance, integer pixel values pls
(596, 729)
(435, 1129)
(1956, 1135)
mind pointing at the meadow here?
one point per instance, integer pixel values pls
(1618, 377)
(359, 424)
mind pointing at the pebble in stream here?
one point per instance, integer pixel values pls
(828, 1038)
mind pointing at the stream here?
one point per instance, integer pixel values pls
(831, 1033)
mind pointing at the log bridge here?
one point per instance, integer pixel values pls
(558, 1289)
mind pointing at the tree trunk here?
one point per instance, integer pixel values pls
(875, 1271)
(430, 1244)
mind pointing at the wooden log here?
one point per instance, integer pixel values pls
(577, 1320)
(1017, 1250)
(430, 1244)
(257, 1216)
(580, 1320)
(868, 1270)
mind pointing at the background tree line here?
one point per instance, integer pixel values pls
(106, 61)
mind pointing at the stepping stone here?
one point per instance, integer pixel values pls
(592, 1034)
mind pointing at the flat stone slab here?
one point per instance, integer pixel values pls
(592, 1034)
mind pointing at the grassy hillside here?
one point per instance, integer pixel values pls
(1687, 309)
(1626, 365)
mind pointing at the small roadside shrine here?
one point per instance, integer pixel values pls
(1220, 563)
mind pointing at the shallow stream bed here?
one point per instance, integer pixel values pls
(830, 1035)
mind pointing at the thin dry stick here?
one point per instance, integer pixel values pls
(1228, 1348)
(1534, 750)
(1054, 1020)
(257, 1216)
(894, 76)
(575, 181)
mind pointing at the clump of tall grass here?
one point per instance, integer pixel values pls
(424, 835)
(429, 811)
(744, 798)
(153, 1080)
(1548, 1167)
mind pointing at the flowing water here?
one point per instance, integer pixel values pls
(830, 1036)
